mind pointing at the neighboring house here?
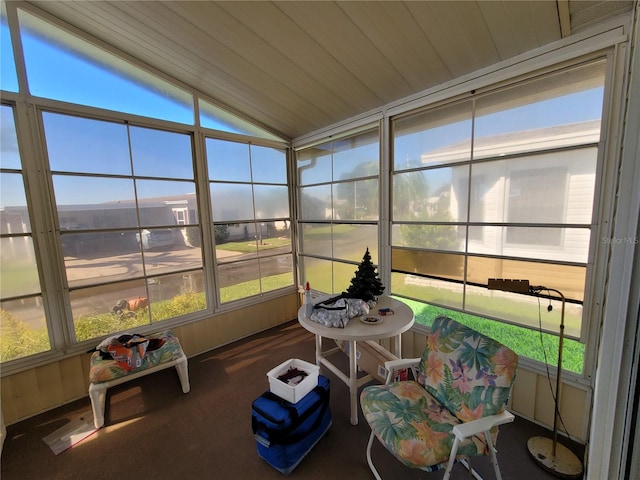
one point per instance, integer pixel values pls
(501, 190)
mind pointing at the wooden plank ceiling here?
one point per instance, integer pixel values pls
(298, 66)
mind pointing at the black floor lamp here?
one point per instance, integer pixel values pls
(548, 453)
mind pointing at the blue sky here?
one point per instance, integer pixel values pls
(573, 108)
(55, 72)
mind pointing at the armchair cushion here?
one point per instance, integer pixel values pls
(414, 426)
(469, 373)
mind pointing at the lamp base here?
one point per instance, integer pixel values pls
(564, 464)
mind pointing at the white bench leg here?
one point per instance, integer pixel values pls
(98, 391)
(97, 394)
(183, 373)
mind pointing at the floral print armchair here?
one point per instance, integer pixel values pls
(453, 410)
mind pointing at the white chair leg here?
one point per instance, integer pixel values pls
(467, 464)
(369, 461)
(494, 457)
(452, 459)
(98, 394)
(183, 373)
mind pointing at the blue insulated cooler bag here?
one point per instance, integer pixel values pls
(285, 432)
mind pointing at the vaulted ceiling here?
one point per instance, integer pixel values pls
(297, 66)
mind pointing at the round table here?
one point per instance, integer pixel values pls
(391, 326)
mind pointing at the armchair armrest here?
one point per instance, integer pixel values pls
(484, 424)
(393, 365)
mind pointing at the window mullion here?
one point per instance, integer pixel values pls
(207, 236)
(42, 216)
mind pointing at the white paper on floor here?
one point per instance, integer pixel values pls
(71, 434)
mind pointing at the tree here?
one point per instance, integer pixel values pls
(221, 233)
(410, 196)
(358, 199)
(365, 285)
(193, 237)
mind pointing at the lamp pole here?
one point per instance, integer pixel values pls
(560, 344)
(547, 453)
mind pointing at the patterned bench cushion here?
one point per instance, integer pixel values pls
(414, 426)
(106, 370)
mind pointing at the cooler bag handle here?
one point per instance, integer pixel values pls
(280, 401)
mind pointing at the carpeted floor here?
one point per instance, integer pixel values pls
(155, 431)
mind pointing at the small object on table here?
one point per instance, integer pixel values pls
(385, 311)
(307, 300)
(371, 319)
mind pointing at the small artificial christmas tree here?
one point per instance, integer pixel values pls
(365, 285)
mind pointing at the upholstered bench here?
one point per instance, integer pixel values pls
(104, 374)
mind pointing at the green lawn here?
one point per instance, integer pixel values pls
(525, 342)
(252, 287)
(249, 246)
(326, 231)
(19, 275)
(19, 340)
